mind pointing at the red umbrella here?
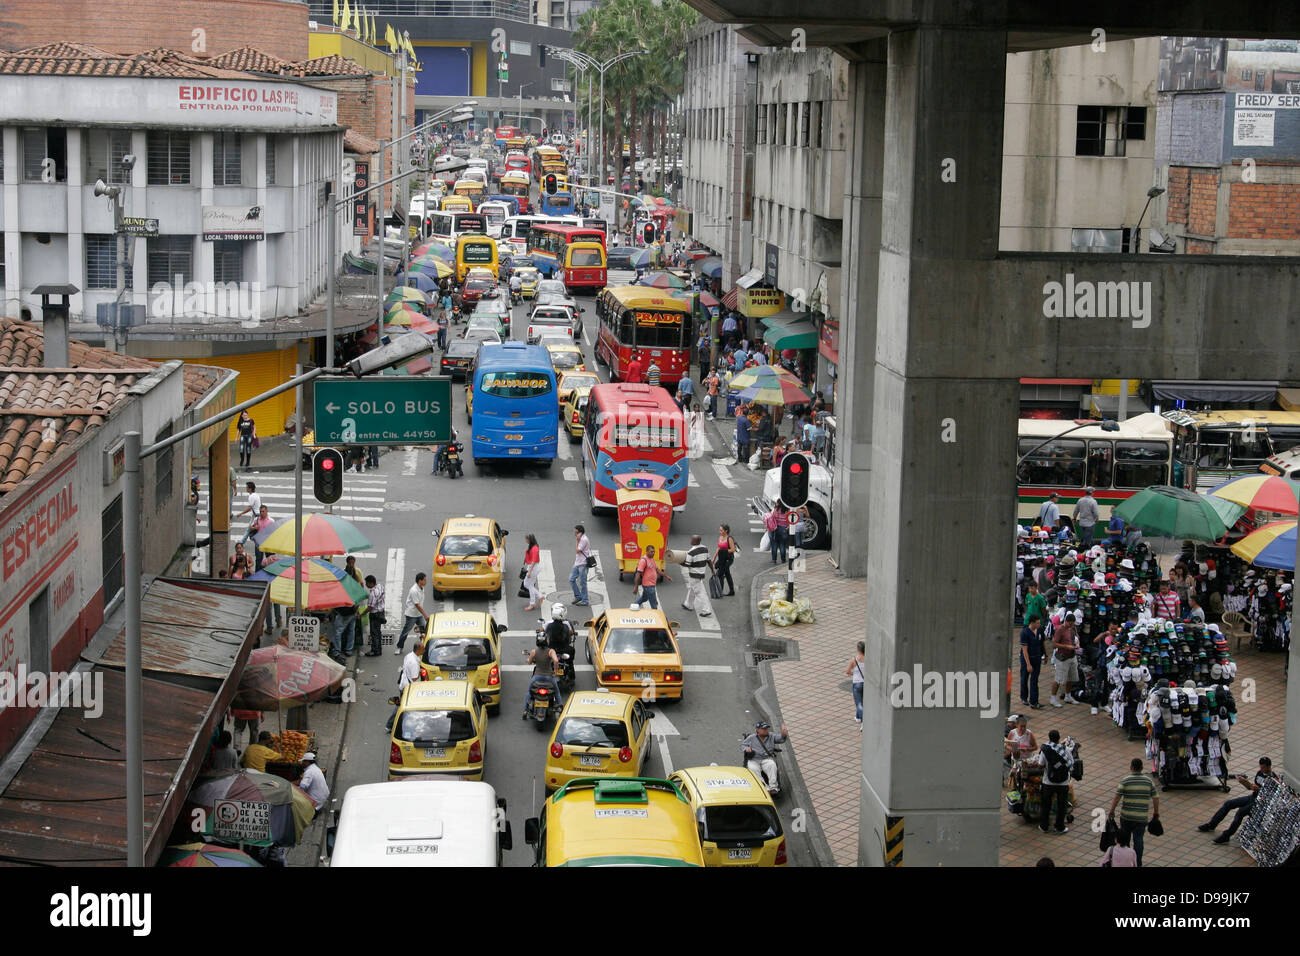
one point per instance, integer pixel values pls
(276, 675)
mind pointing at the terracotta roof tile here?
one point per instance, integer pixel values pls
(332, 65)
(79, 59)
(354, 142)
(251, 60)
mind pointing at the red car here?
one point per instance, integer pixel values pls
(474, 288)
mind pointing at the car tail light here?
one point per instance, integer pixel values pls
(609, 677)
(494, 675)
(394, 754)
(780, 854)
(673, 676)
(440, 560)
(424, 674)
(475, 752)
(557, 751)
(575, 418)
(492, 559)
(625, 755)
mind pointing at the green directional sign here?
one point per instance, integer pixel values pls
(391, 410)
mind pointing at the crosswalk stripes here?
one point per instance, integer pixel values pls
(363, 500)
(724, 475)
(570, 474)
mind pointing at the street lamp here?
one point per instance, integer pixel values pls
(519, 120)
(573, 56)
(1152, 193)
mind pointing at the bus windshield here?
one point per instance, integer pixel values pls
(514, 384)
(478, 252)
(586, 258)
(653, 328)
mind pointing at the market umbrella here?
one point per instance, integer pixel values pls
(324, 586)
(639, 259)
(1260, 492)
(322, 534)
(421, 278)
(769, 385)
(291, 809)
(1174, 512)
(711, 267)
(404, 318)
(1228, 511)
(407, 293)
(663, 280)
(275, 676)
(432, 267)
(1272, 546)
(709, 301)
(205, 855)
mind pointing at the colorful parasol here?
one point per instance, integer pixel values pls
(291, 809)
(407, 293)
(322, 534)
(769, 385)
(324, 585)
(663, 280)
(1175, 512)
(275, 676)
(1259, 492)
(205, 855)
(1272, 546)
(432, 266)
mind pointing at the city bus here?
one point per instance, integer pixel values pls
(471, 189)
(1136, 454)
(1211, 447)
(641, 318)
(515, 185)
(518, 163)
(476, 251)
(584, 267)
(495, 212)
(447, 226)
(557, 203)
(515, 231)
(512, 412)
(547, 242)
(505, 133)
(634, 437)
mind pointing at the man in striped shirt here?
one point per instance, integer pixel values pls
(1168, 607)
(697, 559)
(652, 374)
(1139, 798)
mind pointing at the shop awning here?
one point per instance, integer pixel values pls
(732, 299)
(751, 278)
(799, 334)
(1221, 392)
(784, 317)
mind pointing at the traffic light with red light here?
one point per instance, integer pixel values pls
(552, 184)
(327, 476)
(648, 234)
(794, 479)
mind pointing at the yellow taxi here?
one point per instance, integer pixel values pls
(528, 279)
(471, 556)
(574, 381)
(738, 822)
(440, 729)
(599, 734)
(638, 821)
(636, 652)
(465, 645)
(575, 390)
(566, 357)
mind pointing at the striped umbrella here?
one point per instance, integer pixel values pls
(205, 855)
(407, 293)
(324, 586)
(663, 280)
(1260, 492)
(402, 317)
(769, 385)
(1272, 546)
(322, 534)
(432, 266)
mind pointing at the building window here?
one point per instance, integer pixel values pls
(111, 558)
(1099, 240)
(104, 151)
(1104, 130)
(815, 124)
(2, 262)
(171, 260)
(270, 160)
(163, 478)
(169, 159)
(227, 159)
(227, 261)
(805, 116)
(101, 266)
(41, 144)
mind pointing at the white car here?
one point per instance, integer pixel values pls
(817, 533)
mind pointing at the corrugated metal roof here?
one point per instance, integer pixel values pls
(193, 628)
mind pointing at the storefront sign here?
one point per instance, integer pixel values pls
(758, 303)
(40, 529)
(114, 462)
(828, 340)
(361, 207)
(240, 821)
(233, 222)
(139, 226)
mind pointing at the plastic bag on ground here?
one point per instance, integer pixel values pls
(783, 613)
(804, 611)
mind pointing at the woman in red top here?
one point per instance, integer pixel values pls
(532, 558)
(725, 556)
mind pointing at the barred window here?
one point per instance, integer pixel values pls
(104, 151)
(162, 467)
(760, 124)
(228, 261)
(101, 268)
(805, 114)
(168, 159)
(227, 159)
(270, 160)
(171, 260)
(41, 144)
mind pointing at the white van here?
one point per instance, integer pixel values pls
(418, 822)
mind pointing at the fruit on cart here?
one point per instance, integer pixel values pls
(291, 744)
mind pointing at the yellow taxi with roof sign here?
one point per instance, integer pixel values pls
(471, 556)
(638, 821)
(465, 645)
(598, 734)
(440, 729)
(737, 820)
(636, 652)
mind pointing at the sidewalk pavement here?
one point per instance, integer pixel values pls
(814, 699)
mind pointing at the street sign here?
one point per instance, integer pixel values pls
(139, 226)
(304, 633)
(240, 821)
(383, 411)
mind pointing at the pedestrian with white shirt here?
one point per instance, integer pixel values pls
(409, 674)
(375, 602)
(253, 507)
(581, 556)
(413, 611)
(696, 561)
(313, 782)
(856, 672)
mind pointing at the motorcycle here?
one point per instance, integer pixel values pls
(516, 297)
(451, 462)
(774, 786)
(564, 672)
(541, 704)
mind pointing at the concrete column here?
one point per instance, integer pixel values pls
(861, 251)
(219, 504)
(942, 469)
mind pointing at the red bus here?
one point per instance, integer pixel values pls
(547, 243)
(515, 184)
(518, 163)
(638, 318)
(504, 133)
(634, 438)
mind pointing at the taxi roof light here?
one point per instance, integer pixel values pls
(621, 791)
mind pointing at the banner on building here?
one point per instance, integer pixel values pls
(361, 207)
(828, 340)
(233, 222)
(759, 303)
(682, 222)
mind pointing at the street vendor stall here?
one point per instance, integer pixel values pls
(644, 516)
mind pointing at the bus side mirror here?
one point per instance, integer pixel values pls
(532, 831)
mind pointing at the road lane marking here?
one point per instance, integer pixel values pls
(570, 474)
(723, 476)
(394, 596)
(410, 462)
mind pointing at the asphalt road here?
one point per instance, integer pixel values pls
(718, 707)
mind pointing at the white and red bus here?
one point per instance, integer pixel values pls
(634, 437)
(515, 184)
(518, 163)
(506, 133)
(642, 319)
(548, 241)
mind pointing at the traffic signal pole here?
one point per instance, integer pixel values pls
(794, 495)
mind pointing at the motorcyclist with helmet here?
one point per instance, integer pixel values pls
(559, 632)
(760, 753)
(545, 663)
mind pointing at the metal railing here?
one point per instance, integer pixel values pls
(516, 10)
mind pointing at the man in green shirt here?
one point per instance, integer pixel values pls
(1139, 798)
(1035, 603)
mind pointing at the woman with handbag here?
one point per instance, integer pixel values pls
(855, 671)
(247, 435)
(724, 557)
(532, 561)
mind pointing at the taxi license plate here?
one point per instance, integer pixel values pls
(643, 675)
(435, 753)
(740, 854)
(590, 760)
(454, 675)
(465, 566)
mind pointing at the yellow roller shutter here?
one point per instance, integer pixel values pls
(259, 372)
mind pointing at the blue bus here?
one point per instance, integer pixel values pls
(511, 406)
(557, 204)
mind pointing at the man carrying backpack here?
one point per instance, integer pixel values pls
(1056, 781)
